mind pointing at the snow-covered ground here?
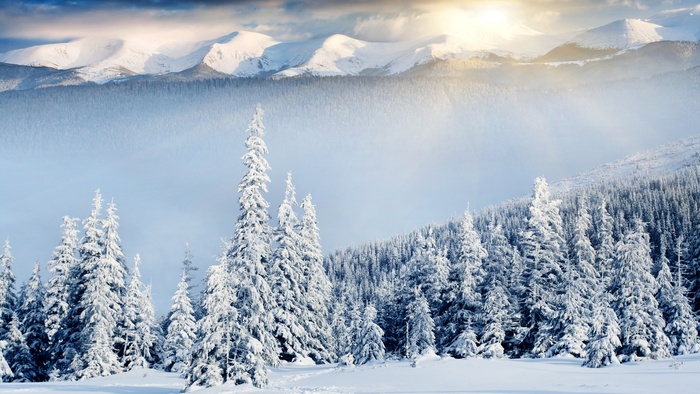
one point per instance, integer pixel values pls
(432, 375)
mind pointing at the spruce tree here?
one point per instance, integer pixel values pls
(181, 333)
(368, 346)
(84, 348)
(316, 284)
(140, 335)
(421, 335)
(604, 334)
(32, 316)
(495, 315)
(286, 276)
(8, 295)
(604, 246)
(681, 326)
(62, 267)
(466, 275)
(543, 250)
(248, 254)
(17, 353)
(641, 322)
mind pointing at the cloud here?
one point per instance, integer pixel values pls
(629, 3)
(547, 17)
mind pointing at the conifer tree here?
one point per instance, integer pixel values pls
(641, 322)
(604, 334)
(181, 333)
(32, 316)
(466, 275)
(62, 267)
(604, 246)
(681, 326)
(369, 346)
(8, 295)
(140, 335)
(286, 276)
(421, 336)
(543, 251)
(84, 348)
(6, 374)
(316, 284)
(495, 316)
(342, 338)
(17, 353)
(114, 264)
(247, 258)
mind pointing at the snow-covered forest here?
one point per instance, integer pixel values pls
(607, 272)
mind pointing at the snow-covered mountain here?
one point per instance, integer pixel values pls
(249, 54)
(240, 54)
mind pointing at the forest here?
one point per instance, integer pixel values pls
(607, 272)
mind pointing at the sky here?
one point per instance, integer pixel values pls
(29, 22)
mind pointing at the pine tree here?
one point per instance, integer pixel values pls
(466, 275)
(17, 353)
(604, 334)
(210, 353)
(641, 322)
(573, 324)
(62, 266)
(188, 267)
(316, 284)
(181, 333)
(6, 374)
(681, 325)
(429, 269)
(247, 257)
(8, 295)
(114, 264)
(32, 315)
(140, 335)
(286, 275)
(604, 246)
(342, 338)
(421, 336)
(495, 316)
(84, 348)
(369, 346)
(543, 251)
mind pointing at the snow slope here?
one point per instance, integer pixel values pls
(432, 375)
(659, 161)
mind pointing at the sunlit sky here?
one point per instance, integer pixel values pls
(27, 22)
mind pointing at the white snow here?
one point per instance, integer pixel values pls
(632, 33)
(430, 375)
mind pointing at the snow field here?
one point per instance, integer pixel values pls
(431, 375)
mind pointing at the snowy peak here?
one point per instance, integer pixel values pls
(622, 34)
(73, 54)
(236, 54)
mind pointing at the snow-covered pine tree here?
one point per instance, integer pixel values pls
(340, 333)
(579, 287)
(429, 269)
(8, 295)
(210, 353)
(140, 335)
(421, 328)
(543, 250)
(681, 326)
(462, 295)
(285, 277)
(84, 346)
(114, 264)
(17, 353)
(188, 267)
(62, 266)
(182, 327)
(604, 334)
(641, 322)
(6, 374)
(32, 319)
(369, 346)
(316, 284)
(247, 258)
(604, 245)
(495, 316)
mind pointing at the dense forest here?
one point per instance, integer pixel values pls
(608, 272)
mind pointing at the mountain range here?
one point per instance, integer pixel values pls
(249, 54)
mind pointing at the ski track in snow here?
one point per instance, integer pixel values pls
(432, 375)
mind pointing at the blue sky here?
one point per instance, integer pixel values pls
(28, 22)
